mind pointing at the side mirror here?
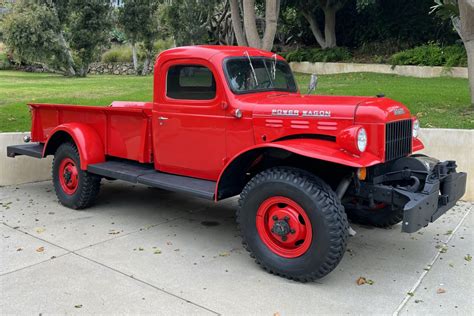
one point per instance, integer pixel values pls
(313, 83)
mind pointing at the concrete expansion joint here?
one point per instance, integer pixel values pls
(430, 264)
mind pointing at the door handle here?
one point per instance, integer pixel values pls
(162, 119)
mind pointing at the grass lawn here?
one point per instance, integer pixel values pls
(439, 102)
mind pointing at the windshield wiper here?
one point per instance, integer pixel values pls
(251, 67)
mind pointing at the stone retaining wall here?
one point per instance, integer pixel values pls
(113, 69)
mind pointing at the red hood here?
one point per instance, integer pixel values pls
(368, 109)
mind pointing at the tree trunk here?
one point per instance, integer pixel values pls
(330, 27)
(313, 25)
(271, 20)
(146, 64)
(237, 23)
(134, 57)
(67, 52)
(250, 24)
(466, 14)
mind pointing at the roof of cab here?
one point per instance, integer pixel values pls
(209, 51)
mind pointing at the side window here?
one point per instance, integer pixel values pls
(190, 82)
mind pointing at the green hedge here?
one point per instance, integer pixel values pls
(318, 55)
(432, 54)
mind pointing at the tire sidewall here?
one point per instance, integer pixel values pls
(318, 250)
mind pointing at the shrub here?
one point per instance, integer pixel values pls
(117, 54)
(431, 54)
(123, 53)
(161, 45)
(4, 62)
(318, 55)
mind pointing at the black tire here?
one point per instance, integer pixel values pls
(379, 217)
(88, 185)
(323, 208)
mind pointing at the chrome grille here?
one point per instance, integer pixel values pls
(398, 139)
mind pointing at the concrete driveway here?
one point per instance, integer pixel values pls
(142, 250)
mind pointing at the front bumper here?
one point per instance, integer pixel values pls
(442, 188)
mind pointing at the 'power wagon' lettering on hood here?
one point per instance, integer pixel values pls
(305, 113)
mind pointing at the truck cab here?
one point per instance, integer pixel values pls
(227, 121)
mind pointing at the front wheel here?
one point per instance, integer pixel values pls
(292, 223)
(75, 188)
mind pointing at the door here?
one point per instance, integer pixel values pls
(189, 120)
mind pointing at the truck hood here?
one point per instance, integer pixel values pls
(358, 109)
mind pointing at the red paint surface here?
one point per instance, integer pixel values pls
(200, 138)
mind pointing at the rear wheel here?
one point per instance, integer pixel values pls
(75, 188)
(381, 215)
(292, 223)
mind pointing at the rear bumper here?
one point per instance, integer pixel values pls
(442, 188)
(33, 150)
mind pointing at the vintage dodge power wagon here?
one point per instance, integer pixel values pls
(230, 120)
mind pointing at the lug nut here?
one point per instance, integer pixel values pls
(283, 238)
(286, 218)
(275, 218)
(292, 231)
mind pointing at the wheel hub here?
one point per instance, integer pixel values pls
(69, 174)
(284, 227)
(281, 228)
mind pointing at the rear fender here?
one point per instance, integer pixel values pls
(232, 178)
(86, 139)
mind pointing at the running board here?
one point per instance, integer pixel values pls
(32, 150)
(147, 175)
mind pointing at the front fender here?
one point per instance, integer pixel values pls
(312, 148)
(87, 140)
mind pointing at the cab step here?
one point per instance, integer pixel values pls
(146, 174)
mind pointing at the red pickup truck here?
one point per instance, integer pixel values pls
(229, 120)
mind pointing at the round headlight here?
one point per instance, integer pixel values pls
(361, 139)
(416, 127)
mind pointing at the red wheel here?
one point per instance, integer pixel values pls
(68, 176)
(75, 188)
(284, 227)
(292, 223)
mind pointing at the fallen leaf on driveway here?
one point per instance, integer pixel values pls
(468, 257)
(224, 254)
(411, 294)
(157, 252)
(361, 280)
(40, 249)
(40, 230)
(78, 306)
(19, 249)
(440, 291)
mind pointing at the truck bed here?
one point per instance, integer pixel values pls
(124, 127)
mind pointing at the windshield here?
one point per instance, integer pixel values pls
(256, 74)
